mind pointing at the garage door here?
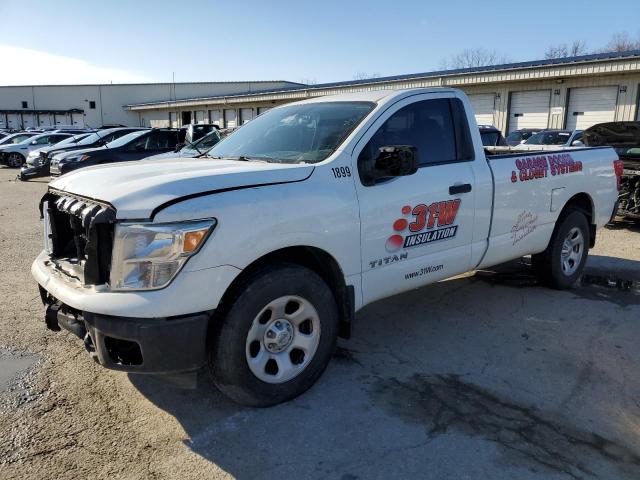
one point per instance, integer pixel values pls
(529, 109)
(200, 116)
(44, 119)
(215, 118)
(263, 109)
(77, 119)
(3, 120)
(588, 106)
(13, 121)
(28, 120)
(61, 119)
(230, 120)
(483, 107)
(246, 114)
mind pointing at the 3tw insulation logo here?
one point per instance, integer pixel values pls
(424, 224)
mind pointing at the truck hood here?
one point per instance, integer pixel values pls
(138, 188)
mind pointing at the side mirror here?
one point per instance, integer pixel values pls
(577, 143)
(522, 141)
(178, 147)
(393, 161)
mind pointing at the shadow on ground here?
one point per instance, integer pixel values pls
(464, 376)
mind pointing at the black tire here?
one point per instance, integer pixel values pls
(15, 160)
(548, 265)
(228, 347)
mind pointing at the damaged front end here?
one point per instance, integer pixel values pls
(629, 197)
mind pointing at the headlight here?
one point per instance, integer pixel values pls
(76, 158)
(149, 256)
(33, 154)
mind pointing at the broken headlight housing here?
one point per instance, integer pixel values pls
(148, 256)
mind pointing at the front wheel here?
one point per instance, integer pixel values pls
(561, 264)
(15, 160)
(276, 338)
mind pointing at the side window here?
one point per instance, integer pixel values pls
(42, 141)
(164, 140)
(139, 144)
(437, 128)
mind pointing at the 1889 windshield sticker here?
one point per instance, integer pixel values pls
(533, 168)
(424, 224)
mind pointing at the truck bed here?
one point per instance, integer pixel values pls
(530, 189)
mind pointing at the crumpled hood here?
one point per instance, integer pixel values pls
(614, 134)
(135, 189)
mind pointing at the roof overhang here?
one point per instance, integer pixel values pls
(597, 64)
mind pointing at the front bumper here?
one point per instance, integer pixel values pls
(33, 171)
(140, 345)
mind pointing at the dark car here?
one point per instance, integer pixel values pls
(133, 146)
(194, 149)
(520, 136)
(491, 136)
(40, 168)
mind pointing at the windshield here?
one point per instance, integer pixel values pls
(490, 139)
(204, 144)
(119, 142)
(17, 138)
(94, 137)
(305, 133)
(70, 140)
(549, 138)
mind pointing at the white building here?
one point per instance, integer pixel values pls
(97, 105)
(571, 93)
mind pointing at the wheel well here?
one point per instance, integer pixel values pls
(314, 259)
(582, 202)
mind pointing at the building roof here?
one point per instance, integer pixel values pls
(506, 67)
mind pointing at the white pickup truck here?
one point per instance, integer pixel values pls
(253, 259)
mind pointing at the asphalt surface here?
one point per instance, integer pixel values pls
(482, 376)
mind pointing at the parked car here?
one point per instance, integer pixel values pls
(195, 149)
(33, 167)
(133, 146)
(520, 136)
(491, 136)
(15, 155)
(253, 264)
(624, 137)
(39, 166)
(14, 138)
(195, 132)
(562, 138)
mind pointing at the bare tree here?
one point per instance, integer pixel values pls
(308, 81)
(474, 57)
(577, 47)
(621, 42)
(365, 76)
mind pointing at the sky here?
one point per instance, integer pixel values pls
(69, 41)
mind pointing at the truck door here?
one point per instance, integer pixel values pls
(417, 229)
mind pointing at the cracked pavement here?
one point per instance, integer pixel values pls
(481, 376)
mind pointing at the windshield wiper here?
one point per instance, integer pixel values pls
(245, 158)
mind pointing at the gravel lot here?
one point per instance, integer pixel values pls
(482, 376)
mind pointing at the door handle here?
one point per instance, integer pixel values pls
(462, 188)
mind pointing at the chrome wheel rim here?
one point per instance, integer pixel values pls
(572, 251)
(283, 339)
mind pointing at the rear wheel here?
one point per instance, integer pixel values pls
(276, 338)
(15, 160)
(561, 264)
